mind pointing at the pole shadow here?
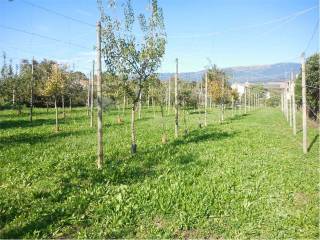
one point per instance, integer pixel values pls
(313, 142)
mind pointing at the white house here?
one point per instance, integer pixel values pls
(268, 96)
(239, 87)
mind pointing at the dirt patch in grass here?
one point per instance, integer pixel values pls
(159, 222)
(300, 199)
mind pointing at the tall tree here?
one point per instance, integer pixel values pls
(137, 56)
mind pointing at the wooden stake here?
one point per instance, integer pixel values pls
(31, 94)
(304, 105)
(176, 130)
(293, 100)
(88, 94)
(282, 109)
(222, 101)
(99, 100)
(245, 100)
(169, 95)
(249, 99)
(91, 95)
(206, 99)
(124, 97)
(56, 108)
(290, 103)
(286, 107)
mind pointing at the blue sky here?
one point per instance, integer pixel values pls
(228, 32)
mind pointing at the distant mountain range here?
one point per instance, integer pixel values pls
(254, 74)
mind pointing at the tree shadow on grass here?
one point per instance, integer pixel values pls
(32, 138)
(229, 120)
(25, 123)
(239, 116)
(123, 168)
(198, 136)
(118, 170)
(196, 112)
(51, 214)
(114, 123)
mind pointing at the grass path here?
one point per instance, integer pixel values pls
(245, 178)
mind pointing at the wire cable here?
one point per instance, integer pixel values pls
(246, 27)
(312, 36)
(43, 36)
(58, 14)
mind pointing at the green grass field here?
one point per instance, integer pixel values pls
(245, 178)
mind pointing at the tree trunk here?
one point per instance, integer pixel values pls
(153, 108)
(222, 113)
(119, 119)
(56, 108)
(47, 104)
(13, 97)
(186, 131)
(164, 135)
(139, 116)
(133, 130)
(232, 106)
(124, 104)
(63, 111)
(19, 107)
(70, 104)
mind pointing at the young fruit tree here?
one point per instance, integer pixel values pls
(219, 88)
(54, 87)
(12, 86)
(137, 55)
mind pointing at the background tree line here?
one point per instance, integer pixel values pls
(48, 82)
(312, 88)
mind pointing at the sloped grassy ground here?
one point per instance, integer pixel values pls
(245, 178)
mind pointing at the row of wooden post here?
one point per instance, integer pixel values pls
(250, 100)
(288, 104)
